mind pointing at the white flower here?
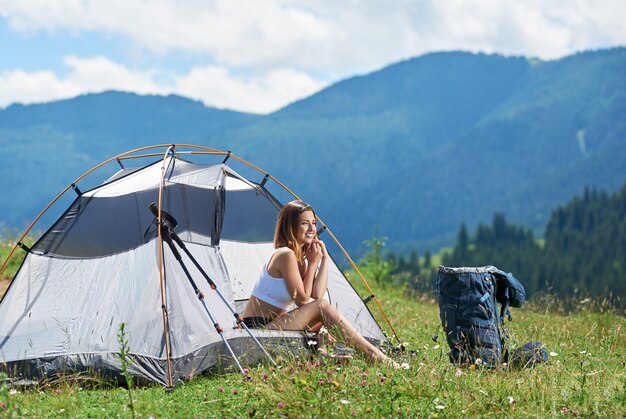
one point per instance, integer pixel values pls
(311, 343)
(553, 354)
(478, 361)
(440, 407)
(436, 347)
(405, 366)
(344, 401)
(458, 373)
(13, 391)
(511, 400)
(583, 352)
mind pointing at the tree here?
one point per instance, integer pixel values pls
(374, 264)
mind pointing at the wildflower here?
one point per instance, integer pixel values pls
(321, 382)
(220, 389)
(3, 405)
(382, 378)
(364, 374)
(440, 407)
(57, 391)
(436, 347)
(583, 352)
(354, 413)
(329, 372)
(311, 343)
(458, 373)
(511, 400)
(553, 354)
(344, 401)
(318, 364)
(363, 383)
(13, 391)
(246, 371)
(300, 364)
(280, 405)
(479, 361)
(472, 367)
(405, 366)
(235, 392)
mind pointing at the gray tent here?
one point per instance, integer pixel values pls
(103, 263)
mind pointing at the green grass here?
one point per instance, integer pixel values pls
(586, 377)
(7, 242)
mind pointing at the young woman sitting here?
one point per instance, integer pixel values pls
(297, 272)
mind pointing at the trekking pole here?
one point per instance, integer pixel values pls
(213, 286)
(167, 237)
(171, 221)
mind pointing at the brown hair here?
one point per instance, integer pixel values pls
(288, 219)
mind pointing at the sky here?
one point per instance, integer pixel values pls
(260, 55)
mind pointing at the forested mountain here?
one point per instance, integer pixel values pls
(584, 252)
(415, 148)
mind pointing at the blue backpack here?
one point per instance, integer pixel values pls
(468, 309)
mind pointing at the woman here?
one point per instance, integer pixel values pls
(297, 272)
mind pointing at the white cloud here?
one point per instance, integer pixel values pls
(261, 93)
(332, 36)
(260, 55)
(87, 75)
(213, 85)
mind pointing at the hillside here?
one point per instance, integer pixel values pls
(415, 148)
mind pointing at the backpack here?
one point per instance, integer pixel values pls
(468, 309)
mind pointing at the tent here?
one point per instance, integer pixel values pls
(104, 263)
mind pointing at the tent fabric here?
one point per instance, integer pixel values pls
(98, 267)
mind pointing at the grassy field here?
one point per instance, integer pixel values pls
(586, 377)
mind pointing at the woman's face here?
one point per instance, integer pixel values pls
(305, 232)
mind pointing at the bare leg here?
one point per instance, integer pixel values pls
(308, 315)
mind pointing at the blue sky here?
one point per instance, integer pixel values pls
(258, 56)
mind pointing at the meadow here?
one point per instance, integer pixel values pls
(586, 376)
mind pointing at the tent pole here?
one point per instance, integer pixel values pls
(161, 272)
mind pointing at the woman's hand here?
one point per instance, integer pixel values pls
(323, 246)
(315, 252)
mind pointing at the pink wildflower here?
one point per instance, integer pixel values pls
(354, 413)
(264, 377)
(382, 378)
(220, 389)
(235, 392)
(280, 405)
(246, 371)
(321, 382)
(363, 383)
(363, 374)
(57, 391)
(3, 405)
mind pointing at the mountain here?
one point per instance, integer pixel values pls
(413, 149)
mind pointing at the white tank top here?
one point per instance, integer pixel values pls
(272, 290)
